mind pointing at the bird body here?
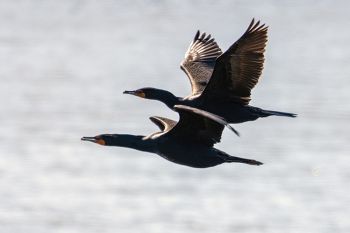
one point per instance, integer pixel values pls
(188, 153)
(177, 151)
(188, 142)
(196, 155)
(221, 82)
(232, 111)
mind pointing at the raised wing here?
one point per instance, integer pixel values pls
(195, 127)
(164, 124)
(199, 61)
(238, 70)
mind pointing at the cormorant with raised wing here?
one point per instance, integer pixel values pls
(188, 142)
(221, 82)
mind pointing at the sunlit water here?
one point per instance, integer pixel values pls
(64, 65)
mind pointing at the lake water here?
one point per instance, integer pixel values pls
(64, 66)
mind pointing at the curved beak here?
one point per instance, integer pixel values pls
(90, 139)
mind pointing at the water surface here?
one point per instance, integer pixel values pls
(64, 66)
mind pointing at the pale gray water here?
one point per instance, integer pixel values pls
(64, 65)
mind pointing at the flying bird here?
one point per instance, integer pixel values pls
(221, 82)
(188, 142)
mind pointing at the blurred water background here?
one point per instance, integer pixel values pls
(64, 66)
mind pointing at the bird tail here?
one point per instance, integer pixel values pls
(276, 113)
(232, 159)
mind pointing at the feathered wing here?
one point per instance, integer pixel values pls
(164, 124)
(207, 115)
(199, 61)
(237, 70)
(196, 127)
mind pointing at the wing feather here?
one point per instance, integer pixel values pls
(237, 71)
(164, 124)
(197, 126)
(199, 61)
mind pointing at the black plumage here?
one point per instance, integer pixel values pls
(221, 82)
(188, 142)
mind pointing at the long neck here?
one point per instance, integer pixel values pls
(132, 141)
(166, 97)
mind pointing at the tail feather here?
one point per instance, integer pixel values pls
(232, 159)
(276, 113)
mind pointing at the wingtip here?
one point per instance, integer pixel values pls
(256, 26)
(250, 25)
(196, 35)
(233, 129)
(154, 119)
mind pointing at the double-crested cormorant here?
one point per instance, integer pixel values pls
(188, 142)
(221, 82)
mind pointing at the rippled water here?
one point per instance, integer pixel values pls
(64, 65)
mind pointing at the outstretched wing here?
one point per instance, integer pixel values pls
(238, 70)
(199, 61)
(195, 127)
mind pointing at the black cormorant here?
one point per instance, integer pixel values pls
(188, 142)
(221, 82)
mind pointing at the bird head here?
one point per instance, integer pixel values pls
(147, 93)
